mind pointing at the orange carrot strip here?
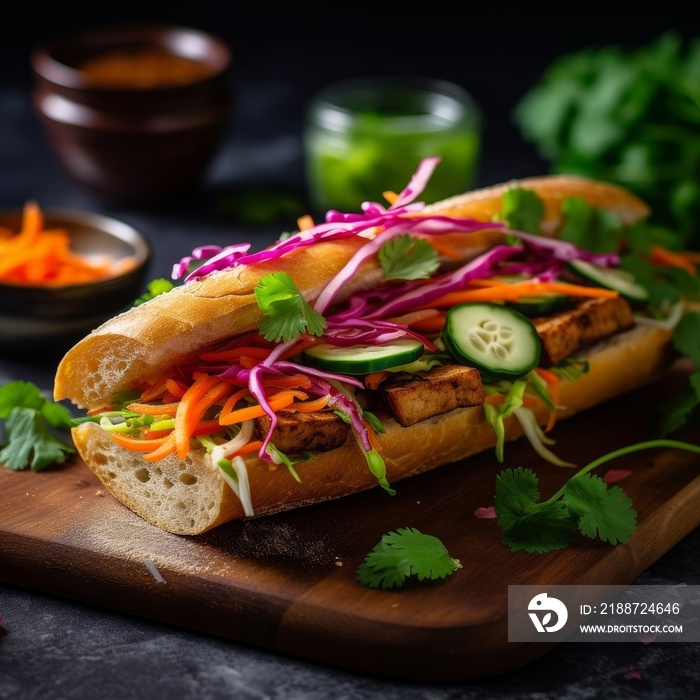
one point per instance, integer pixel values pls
(232, 400)
(434, 324)
(151, 409)
(414, 316)
(309, 406)
(253, 446)
(554, 384)
(514, 292)
(374, 379)
(446, 250)
(305, 222)
(299, 347)
(167, 448)
(175, 388)
(373, 441)
(188, 415)
(276, 402)
(136, 444)
(663, 257)
(295, 381)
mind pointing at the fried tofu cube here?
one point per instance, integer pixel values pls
(592, 320)
(432, 393)
(295, 432)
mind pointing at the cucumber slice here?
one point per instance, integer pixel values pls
(610, 278)
(362, 359)
(499, 341)
(541, 305)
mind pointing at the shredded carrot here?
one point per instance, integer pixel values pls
(302, 345)
(168, 447)
(664, 257)
(305, 222)
(248, 448)
(294, 381)
(413, 317)
(309, 406)
(280, 400)
(390, 196)
(446, 250)
(554, 384)
(152, 409)
(374, 379)
(432, 324)
(189, 411)
(175, 388)
(136, 444)
(373, 440)
(43, 257)
(515, 291)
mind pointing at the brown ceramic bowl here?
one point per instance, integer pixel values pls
(142, 126)
(47, 320)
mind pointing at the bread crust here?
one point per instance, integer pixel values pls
(191, 497)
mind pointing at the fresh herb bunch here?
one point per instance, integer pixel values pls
(630, 117)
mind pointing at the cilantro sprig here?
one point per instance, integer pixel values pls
(405, 553)
(154, 288)
(585, 504)
(408, 257)
(28, 422)
(286, 313)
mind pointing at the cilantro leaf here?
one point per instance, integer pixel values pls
(402, 554)
(523, 210)
(681, 409)
(30, 443)
(527, 525)
(287, 313)
(590, 227)
(603, 512)
(686, 336)
(409, 258)
(19, 394)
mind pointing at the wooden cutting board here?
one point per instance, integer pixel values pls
(286, 582)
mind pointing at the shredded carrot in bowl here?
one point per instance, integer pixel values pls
(40, 256)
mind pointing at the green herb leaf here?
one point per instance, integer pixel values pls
(523, 210)
(602, 512)
(30, 443)
(591, 228)
(409, 258)
(287, 313)
(686, 336)
(527, 525)
(155, 287)
(682, 409)
(402, 554)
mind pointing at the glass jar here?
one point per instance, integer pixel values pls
(367, 136)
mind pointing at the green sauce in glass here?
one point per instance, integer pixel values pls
(367, 137)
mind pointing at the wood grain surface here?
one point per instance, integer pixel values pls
(287, 582)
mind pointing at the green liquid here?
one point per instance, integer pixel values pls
(381, 151)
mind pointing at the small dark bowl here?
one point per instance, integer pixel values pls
(48, 320)
(133, 143)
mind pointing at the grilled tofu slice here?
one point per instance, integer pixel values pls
(316, 431)
(432, 393)
(592, 320)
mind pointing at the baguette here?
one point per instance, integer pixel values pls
(190, 496)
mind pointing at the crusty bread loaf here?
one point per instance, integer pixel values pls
(190, 497)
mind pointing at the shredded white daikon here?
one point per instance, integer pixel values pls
(241, 485)
(536, 436)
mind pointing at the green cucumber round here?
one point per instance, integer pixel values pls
(500, 342)
(541, 305)
(615, 279)
(363, 359)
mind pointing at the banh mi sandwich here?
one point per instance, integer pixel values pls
(366, 349)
